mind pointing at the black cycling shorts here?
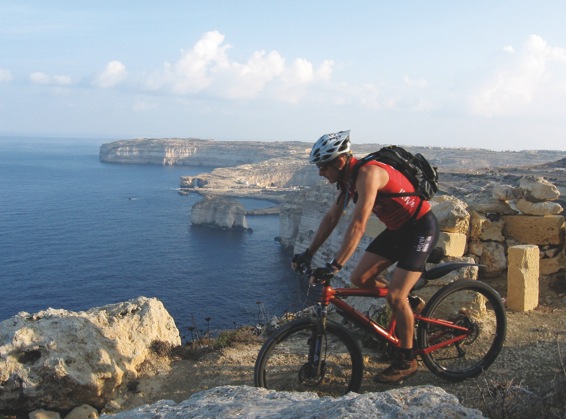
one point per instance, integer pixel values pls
(411, 245)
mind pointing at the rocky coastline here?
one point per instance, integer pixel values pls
(275, 171)
(488, 208)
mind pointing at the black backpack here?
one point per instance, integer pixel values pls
(415, 167)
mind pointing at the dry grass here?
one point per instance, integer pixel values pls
(509, 399)
(202, 345)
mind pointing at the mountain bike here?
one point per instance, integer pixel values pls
(458, 334)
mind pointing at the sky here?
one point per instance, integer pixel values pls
(482, 74)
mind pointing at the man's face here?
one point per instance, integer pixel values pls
(330, 170)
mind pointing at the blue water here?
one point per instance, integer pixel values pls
(76, 233)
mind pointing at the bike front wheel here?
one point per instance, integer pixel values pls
(462, 331)
(284, 364)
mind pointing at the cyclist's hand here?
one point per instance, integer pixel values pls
(302, 261)
(322, 274)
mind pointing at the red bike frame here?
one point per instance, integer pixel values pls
(332, 296)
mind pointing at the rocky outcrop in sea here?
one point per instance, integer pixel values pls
(220, 213)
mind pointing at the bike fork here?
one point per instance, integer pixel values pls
(317, 340)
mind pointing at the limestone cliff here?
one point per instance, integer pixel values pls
(211, 153)
(196, 152)
(272, 179)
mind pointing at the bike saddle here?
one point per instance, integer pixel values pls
(436, 255)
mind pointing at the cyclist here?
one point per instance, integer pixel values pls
(410, 235)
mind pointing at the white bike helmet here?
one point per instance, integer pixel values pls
(330, 146)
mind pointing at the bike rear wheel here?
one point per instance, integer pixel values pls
(283, 361)
(470, 315)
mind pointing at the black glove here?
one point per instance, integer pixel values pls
(302, 261)
(323, 274)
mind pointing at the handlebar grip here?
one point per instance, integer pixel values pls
(303, 268)
(322, 274)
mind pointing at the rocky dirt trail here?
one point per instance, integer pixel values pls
(527, 379)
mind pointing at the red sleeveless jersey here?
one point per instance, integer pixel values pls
(394, 211)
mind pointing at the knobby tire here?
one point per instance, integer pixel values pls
(282, 363)
(475, 306)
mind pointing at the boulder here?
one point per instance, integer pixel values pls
(249, 402)
(549, 266)
(484, 228)
(491, 255)
(451, 213)
(506, 192)
(539, 208)
(492, 206)
(83, 412)
(58, 359)
(453, 244)
(538, 189)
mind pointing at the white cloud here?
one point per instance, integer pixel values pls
(114, 73)
(300, 79)
(62, 80)
(196, 69)
(5, 75)
(324, 72)
(207, 68)
(246, 81)
(39, 77)
(532, 79)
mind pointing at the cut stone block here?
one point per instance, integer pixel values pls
(523, 278)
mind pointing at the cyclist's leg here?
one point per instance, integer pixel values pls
(403, 363)
(367, 272)
(419, 238)
(379, 255)
(399, 287)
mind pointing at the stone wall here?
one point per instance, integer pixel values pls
(520, 215)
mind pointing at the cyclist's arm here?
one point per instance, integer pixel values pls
(328, 223)
(370, 179)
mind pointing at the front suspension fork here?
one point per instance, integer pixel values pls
(316, 341)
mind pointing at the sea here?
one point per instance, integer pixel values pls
(76, 233)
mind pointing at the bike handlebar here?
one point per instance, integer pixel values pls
(319, 274)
